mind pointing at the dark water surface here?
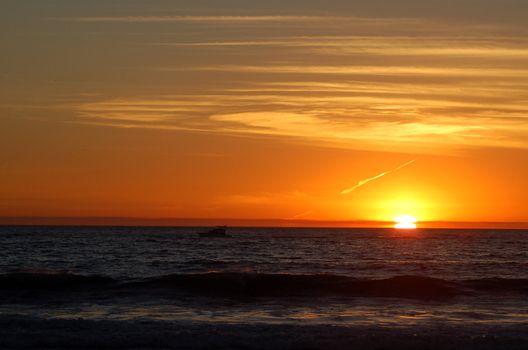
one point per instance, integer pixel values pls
(122, 252)
(472, 283)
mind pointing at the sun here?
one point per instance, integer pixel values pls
(405, 222)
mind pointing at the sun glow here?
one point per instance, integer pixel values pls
(405, 222)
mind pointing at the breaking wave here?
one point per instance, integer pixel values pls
(255, 285)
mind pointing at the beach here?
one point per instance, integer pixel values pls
(30, 333)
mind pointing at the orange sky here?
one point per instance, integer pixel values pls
(265, 110)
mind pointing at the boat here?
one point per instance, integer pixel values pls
(218, 231)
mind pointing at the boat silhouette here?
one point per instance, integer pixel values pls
(219, 231)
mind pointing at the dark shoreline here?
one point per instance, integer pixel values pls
(17, 332)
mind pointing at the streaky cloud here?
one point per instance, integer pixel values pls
(300, 215)
(360, 70)
(191, 18)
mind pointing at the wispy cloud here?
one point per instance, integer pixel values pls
(345, 115)
(363, 70)
(300, 216)
(366, 181)
(403, 82)
(362, 24)
(207, 19)
(263, 198)
(382, 45)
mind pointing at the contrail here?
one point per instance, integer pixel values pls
(364, 182)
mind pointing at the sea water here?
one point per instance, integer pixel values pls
(463, 282)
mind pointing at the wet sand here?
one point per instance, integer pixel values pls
(18, 332)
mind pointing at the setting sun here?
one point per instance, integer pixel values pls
(405, 222)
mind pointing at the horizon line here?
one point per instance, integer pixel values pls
(239, 222)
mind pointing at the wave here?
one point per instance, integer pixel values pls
(239, 285)
(278, 285)
(205, 262)
(51, 281)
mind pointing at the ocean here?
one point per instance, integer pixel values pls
(263, 288)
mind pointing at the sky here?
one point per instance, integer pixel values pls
(306, 110)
